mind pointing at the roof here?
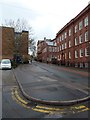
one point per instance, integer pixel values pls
(74, 19)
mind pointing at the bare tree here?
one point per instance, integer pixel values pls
(20, 25)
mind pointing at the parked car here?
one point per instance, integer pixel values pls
(5, 64)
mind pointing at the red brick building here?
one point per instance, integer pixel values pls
(7, 42)
(73, 40)
(46, 50)
(13, 43)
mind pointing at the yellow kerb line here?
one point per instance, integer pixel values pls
(20, 99)
(49, 108)
(40, 110)
(19, 102)
(80, 107)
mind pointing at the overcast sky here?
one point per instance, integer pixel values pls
(46, 17)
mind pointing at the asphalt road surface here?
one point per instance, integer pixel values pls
(46, 82)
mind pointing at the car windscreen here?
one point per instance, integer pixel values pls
(6, 62)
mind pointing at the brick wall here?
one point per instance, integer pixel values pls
(7, 42)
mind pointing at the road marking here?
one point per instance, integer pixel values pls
(18, 99)
(48, 109)
(47, 79)
(41, 110)
(80, 107)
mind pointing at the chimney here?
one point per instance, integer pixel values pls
(45, 38)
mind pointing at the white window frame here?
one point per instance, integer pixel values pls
(86, 21)
(60, 56)
(81, 52)
(70, 32)
(65, 56)
(57, 49)
(65, 45)
(69, 43)
(69, 55)
(80, 25)
(62, 37)
(60, 48)
(76, 54)
(87, 52)
(76, 28)
(76, 41)
(80, 39)
(86, 36)
(53, 49)
(65, 35)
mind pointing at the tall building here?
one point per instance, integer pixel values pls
(13, 43)
(21, 44)
(73, 40)
(7, 42)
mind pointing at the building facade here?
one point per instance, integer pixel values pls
(13, 43)
(46, 50)
(73, 41)
(7, 42)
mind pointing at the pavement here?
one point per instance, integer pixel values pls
(24, 85)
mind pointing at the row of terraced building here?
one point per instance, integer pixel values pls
(71, 46)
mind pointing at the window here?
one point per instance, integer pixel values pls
(87, 51)
(80, 25)
(60, 48)
(76, 28)
(86, 36)
(81, 52)
(76, 41)
(65, 56)
(65, 35)
(57, 49)
(62, 37)
(86, 21)
(69, 43)
(69, 55)
(76, 54)
(53, 49)
(69, 32)
(80, 39)
(65, 45)
(57, 40)
(50, 49)
(60, 56)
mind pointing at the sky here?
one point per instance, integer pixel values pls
(46, 17)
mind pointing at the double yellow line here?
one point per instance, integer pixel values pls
(18, 99)
(47, 109)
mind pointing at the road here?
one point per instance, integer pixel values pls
(45, 82)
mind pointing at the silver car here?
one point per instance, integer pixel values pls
(5, 64)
